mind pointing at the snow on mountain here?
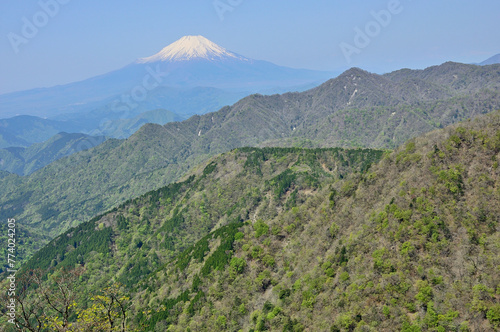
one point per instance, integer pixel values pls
(190, 48)
(190, 76)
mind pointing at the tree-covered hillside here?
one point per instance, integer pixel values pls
(24, 161)
(306, 240)
(357, 109)
(135, 239)
(25, 130)
(410, 245)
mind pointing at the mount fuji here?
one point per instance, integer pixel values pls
(195, 61)
(190, 76)
(190, 48)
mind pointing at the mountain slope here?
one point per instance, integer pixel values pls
(4, 174)
(411, 245)
(123, 128)
(491, 61)
(455, 76)
(244, 183)
(297, 243)
(355, 109)
(22, 131)
(24, 161)
(9, 140)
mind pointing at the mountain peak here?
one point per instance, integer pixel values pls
(190, 48)
(491, 61)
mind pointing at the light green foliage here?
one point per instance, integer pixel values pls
(238, 264)
(407, 248)
(386, 311)
(452, 179)
(222, 321)
(275, 230)
(334, 229)
(344, 276)
(408, 253)
(493, 315)
(425, 293)
(268, 260)
(410, 328)
(256, 252)
(239, 236)
(297, 285)
(260, 228)
(381, 262)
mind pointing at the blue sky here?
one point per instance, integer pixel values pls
(86, 38)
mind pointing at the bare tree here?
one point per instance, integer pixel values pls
(38, 298)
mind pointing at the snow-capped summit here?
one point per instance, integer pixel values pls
(192, 75)
(190, 48)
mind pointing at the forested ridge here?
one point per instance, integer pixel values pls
(356, 109)
(292, 239)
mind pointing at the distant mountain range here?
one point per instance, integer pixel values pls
(202, 77)
(25, 130)
(191, 76)
(24, 161)
(356, 109)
